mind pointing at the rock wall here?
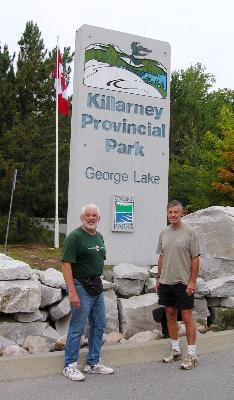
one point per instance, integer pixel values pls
(34, 303)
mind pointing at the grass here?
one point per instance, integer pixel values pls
(39, 256)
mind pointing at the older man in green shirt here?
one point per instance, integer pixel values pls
(83, 261)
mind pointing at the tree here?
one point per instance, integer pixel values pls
(7, 90)
(28, 144)
(189, 92)
(225, 181)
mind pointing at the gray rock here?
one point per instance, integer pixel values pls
(130, 271)
(60, 309)
(62, 324)
(38, 315)
(202, 289)
(49, 295)
(201, 309)
(112, 319)
(4, 342)
(36, 344)
(215, 228)
(14, 351)
(142, 337)
(129, 287)
(18, 331)
(112, 338)
(51, 334)
(135, 314)
(227, 302)
(108, 275)
(3, 256)
(19, 296)
(52, 277)
(214, 267)
(107, 285)
(221, 287)
(14, 269)
(213, 301)
(153, 271)
(150, 285)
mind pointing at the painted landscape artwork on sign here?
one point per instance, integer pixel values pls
(123, 213)
(108, 67)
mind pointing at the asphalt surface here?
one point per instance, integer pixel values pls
(212, 379)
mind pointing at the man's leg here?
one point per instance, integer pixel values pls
(172, 325)
(175, 353)
(189, 326)
(76, 326)
(191, 360)
(97, 323)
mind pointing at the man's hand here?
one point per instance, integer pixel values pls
(74, 299)
(191, 287)
(157, 287)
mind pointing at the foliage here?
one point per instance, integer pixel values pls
(201, 152)
(226, 318)
(201, 134)
(28, 136)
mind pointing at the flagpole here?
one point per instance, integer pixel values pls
(9, 215)
(56, 226)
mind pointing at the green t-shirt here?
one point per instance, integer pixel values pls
(178, 247)
(85, 252)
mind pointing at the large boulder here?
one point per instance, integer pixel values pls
(14, 269)
(52, 277)
(49, 295)
(37, 344)
(215, 228)
(18, 331)
(135, 314)
(60, 309)
(112, 319)
(130, 271)
(38, 315)
(129, 287)
(19, 296)
(201, 309)
(129, 279)
(221, 287)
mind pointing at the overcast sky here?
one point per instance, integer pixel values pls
(198, 30)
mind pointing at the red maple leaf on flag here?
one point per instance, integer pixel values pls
(61, 86)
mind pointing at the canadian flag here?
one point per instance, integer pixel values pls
(60, 85)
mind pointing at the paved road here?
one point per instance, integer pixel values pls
(213, 379)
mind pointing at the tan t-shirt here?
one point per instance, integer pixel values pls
(178, 247)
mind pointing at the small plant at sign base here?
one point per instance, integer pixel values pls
(227, 318)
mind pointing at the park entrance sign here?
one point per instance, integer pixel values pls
(120, 139)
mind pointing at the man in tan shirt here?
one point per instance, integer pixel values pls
(178, 267)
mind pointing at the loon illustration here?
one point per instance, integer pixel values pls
(138, 50)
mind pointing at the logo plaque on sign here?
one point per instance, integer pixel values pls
(123, 213)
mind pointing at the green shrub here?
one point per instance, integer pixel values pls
(227, 318)
(25, 229)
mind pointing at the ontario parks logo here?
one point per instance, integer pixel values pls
(108, 67)
(123, 213)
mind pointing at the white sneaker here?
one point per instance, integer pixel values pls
(72, 372)
(173, 355)
(189, 362)
(98, 369)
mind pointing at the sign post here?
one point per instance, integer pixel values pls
(120, 139)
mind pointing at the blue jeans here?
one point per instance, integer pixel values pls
(93, 308)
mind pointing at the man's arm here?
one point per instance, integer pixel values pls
(72, 293)
(160, 264)
(191, 287)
